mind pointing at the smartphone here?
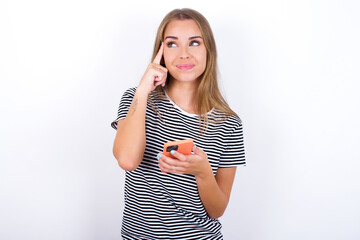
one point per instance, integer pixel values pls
(183, 146)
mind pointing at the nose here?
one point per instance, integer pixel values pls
(184, 54)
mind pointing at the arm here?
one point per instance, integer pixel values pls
(129, 143)
(215, 191)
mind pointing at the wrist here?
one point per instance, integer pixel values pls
(142, 92)
(205, 175)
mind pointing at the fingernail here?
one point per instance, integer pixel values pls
(158, 156)
(172, 152)
(194, 145)
(163, 84)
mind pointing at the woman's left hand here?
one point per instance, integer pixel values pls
(196, 164)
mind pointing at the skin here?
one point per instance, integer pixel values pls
(183, 44)
(129, 143)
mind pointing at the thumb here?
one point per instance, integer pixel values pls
(197, 150)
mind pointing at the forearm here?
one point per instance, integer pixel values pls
(212, 197)
(129, 144)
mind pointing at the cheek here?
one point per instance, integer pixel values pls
(203, 60)
(168, 57)
(200, 54)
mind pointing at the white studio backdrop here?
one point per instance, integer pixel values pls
(290, 69)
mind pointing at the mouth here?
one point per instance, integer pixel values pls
(185, 67)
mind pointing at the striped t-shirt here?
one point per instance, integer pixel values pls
(165, 205)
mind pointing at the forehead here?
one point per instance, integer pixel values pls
(182, 28)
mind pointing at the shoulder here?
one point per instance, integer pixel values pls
(130, 92)
(224, 118)
(234, 124)
(128, 95)
(234, 120)
(225, 123)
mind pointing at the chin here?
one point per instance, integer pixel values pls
(185, 77)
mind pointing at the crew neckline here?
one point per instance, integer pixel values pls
(182, 110)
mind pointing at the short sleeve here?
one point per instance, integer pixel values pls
(124, 106)
(234, 152)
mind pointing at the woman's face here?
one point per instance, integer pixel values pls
(184, 52)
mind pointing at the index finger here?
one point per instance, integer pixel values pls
(178, 155)
(158, 57)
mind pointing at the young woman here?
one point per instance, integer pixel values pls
(178, 197)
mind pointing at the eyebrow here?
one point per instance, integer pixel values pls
(190, 38)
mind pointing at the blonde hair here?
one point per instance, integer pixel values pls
(209, 95)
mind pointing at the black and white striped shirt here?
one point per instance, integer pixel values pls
(165, 205)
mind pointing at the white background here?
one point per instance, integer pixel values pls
(290, 69)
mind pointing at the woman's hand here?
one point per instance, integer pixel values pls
(196, 164)
(155, 74)
(214, 191)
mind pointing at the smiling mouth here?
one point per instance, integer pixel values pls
(185, 67)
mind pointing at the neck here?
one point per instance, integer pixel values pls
(184, 95)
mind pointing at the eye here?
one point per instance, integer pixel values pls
(194, 43)
(171, 44)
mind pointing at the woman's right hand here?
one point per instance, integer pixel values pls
(155, 74)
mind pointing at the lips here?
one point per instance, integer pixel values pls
(185, 67)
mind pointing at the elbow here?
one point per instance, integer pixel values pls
(127, 163)
(216, 215)
(218, 212)
(127, 166)
(128, 155)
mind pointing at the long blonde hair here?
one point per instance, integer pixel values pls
(209, 95)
